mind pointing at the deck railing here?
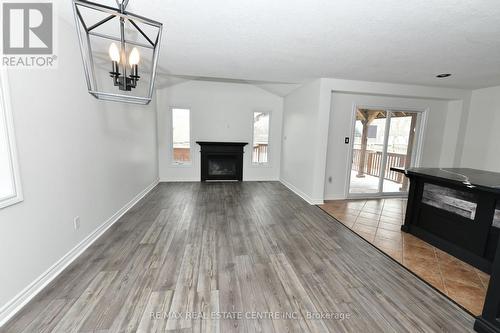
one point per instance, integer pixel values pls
(182, 154)
(259, 153)
(373, 164)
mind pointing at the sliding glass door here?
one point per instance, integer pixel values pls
(383, 139)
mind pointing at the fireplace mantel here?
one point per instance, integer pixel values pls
(215, 143)
(221, 160)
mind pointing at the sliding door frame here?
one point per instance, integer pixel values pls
(420, 135)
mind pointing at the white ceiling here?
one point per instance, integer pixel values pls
(294, 41)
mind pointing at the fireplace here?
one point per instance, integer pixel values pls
(221, 160)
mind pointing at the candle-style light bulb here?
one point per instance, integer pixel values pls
(134, 57)
(114, 52)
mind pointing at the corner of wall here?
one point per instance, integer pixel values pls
(462, 130)
(306, 114)
(157, 151)
(323, 123)
(310, 200)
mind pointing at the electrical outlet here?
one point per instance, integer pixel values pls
(76, 222)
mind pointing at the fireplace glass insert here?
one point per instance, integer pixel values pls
(221, 166)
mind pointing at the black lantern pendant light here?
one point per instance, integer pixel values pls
(119, 80)
(124, 52)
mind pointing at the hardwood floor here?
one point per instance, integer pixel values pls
(379, 222)
(253, 250)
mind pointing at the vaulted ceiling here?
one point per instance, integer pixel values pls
(294, 41)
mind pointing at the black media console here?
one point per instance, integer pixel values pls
(458, 211)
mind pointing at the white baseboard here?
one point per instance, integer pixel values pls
(335, 197)
(21, 299)
(301, 194)
(180, 180)
(197, 180)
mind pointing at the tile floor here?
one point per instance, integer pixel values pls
(379, 222)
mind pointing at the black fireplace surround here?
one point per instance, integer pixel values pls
(221, 160)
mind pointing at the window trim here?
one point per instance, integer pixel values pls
(172, 161)
(268, 163)
(6, 113)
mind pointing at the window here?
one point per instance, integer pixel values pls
(260, 137)
(10, 187)
(181, 137)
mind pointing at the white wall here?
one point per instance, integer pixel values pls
(307, 117)
(302, 124)
(482, 137)
(219, 112)
(78, 157)
(438, 146)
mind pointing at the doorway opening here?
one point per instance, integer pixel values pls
(383, 139)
